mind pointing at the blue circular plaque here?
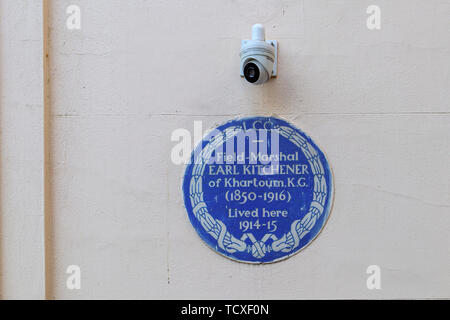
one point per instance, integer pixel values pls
(258, 189)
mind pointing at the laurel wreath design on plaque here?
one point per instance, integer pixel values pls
(259, 248)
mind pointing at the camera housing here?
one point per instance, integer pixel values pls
(258, 57)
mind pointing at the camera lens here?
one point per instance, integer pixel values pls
(251, 72)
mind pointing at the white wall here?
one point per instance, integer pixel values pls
(21, 150)
(377, 102)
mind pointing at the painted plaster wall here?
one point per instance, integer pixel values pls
(377, 102)
(21, 150)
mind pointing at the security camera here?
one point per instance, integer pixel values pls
(258, 57)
